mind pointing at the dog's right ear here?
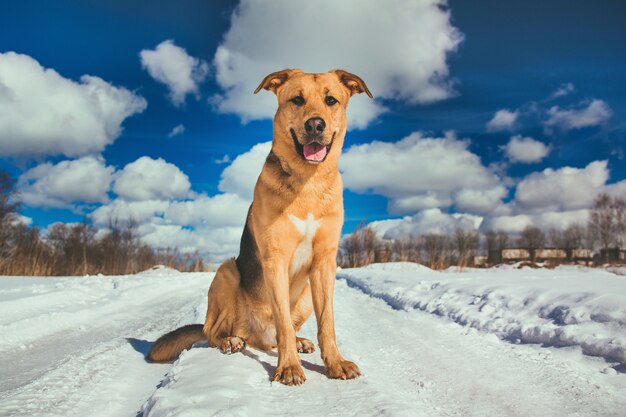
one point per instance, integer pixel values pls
(274, 80)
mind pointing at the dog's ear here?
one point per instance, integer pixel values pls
(353, 83)
(274, 80)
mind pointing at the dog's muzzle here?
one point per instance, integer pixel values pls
(313, 152)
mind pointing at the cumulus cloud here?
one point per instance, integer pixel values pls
(241, 175)
(43, 113)
(84, 180)
(561, 189)
(503, 120)
(616, 190)
(171, 65)
(218, 243)
(123, 211)
(156, 194)
(211, 225)
(418, 173)
(425, 221)
(596, 113)
(177, 130)
(546, 220)
(220, 210)
(256, 45)
(151, 179)
(525, 150)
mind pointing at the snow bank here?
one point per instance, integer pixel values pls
(566, 306)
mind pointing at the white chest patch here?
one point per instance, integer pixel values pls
(307, 229)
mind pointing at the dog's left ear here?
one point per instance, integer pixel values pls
(353, 83)
(275, 80)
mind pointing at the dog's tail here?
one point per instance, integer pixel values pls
(170, 345)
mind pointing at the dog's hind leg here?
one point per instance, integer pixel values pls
(221, 312)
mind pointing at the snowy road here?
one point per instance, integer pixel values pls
(74, 347)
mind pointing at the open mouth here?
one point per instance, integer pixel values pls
(313, 152)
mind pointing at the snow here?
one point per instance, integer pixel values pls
(566, 306)
(505, 341)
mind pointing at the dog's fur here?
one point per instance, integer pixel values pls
(287, 260)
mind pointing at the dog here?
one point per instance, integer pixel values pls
(287, 261)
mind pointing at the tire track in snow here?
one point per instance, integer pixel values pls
(75, 372)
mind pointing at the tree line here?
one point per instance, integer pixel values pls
(605, 233)
(77, 249)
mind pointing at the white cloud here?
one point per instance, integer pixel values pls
(561, 189)
(177, 130)
(417, 173)
(563, 90)
(241, 175)
(218, 243)
(122, 211)
(503, 120)
(616, 190)
(426, 221)
(358, 36)
(219, 211)
(525, 150)
(171, 65)
(151, 179)
(479, 201)
(546, 220)
(85, 180)
(156, 195)
(42, 113)
(211, 225)
(596, 113)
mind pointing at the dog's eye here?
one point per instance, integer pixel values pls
(298, 100)
(331, 101)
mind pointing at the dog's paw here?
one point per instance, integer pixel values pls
(290, 375)
(343, 370)
(232, 344)
(304, 345)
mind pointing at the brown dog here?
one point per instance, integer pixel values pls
(287, 261)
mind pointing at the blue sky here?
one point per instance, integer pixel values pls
(554, 70)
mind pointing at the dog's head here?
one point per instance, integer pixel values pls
(311, 119)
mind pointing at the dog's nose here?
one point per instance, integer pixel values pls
(315, 126)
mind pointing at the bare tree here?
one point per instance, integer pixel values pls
(359, 247)
(351, 248)
(531, 239)
(619, 205)
(370, 243)
(607, 223)
(437, 248)
(495, 243)
(466, 245)
(8, 207)
(406, 249)
(571, 238)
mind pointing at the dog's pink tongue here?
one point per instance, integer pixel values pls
(314, 152)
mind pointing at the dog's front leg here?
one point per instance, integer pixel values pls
(289, 370)
(322, 289)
